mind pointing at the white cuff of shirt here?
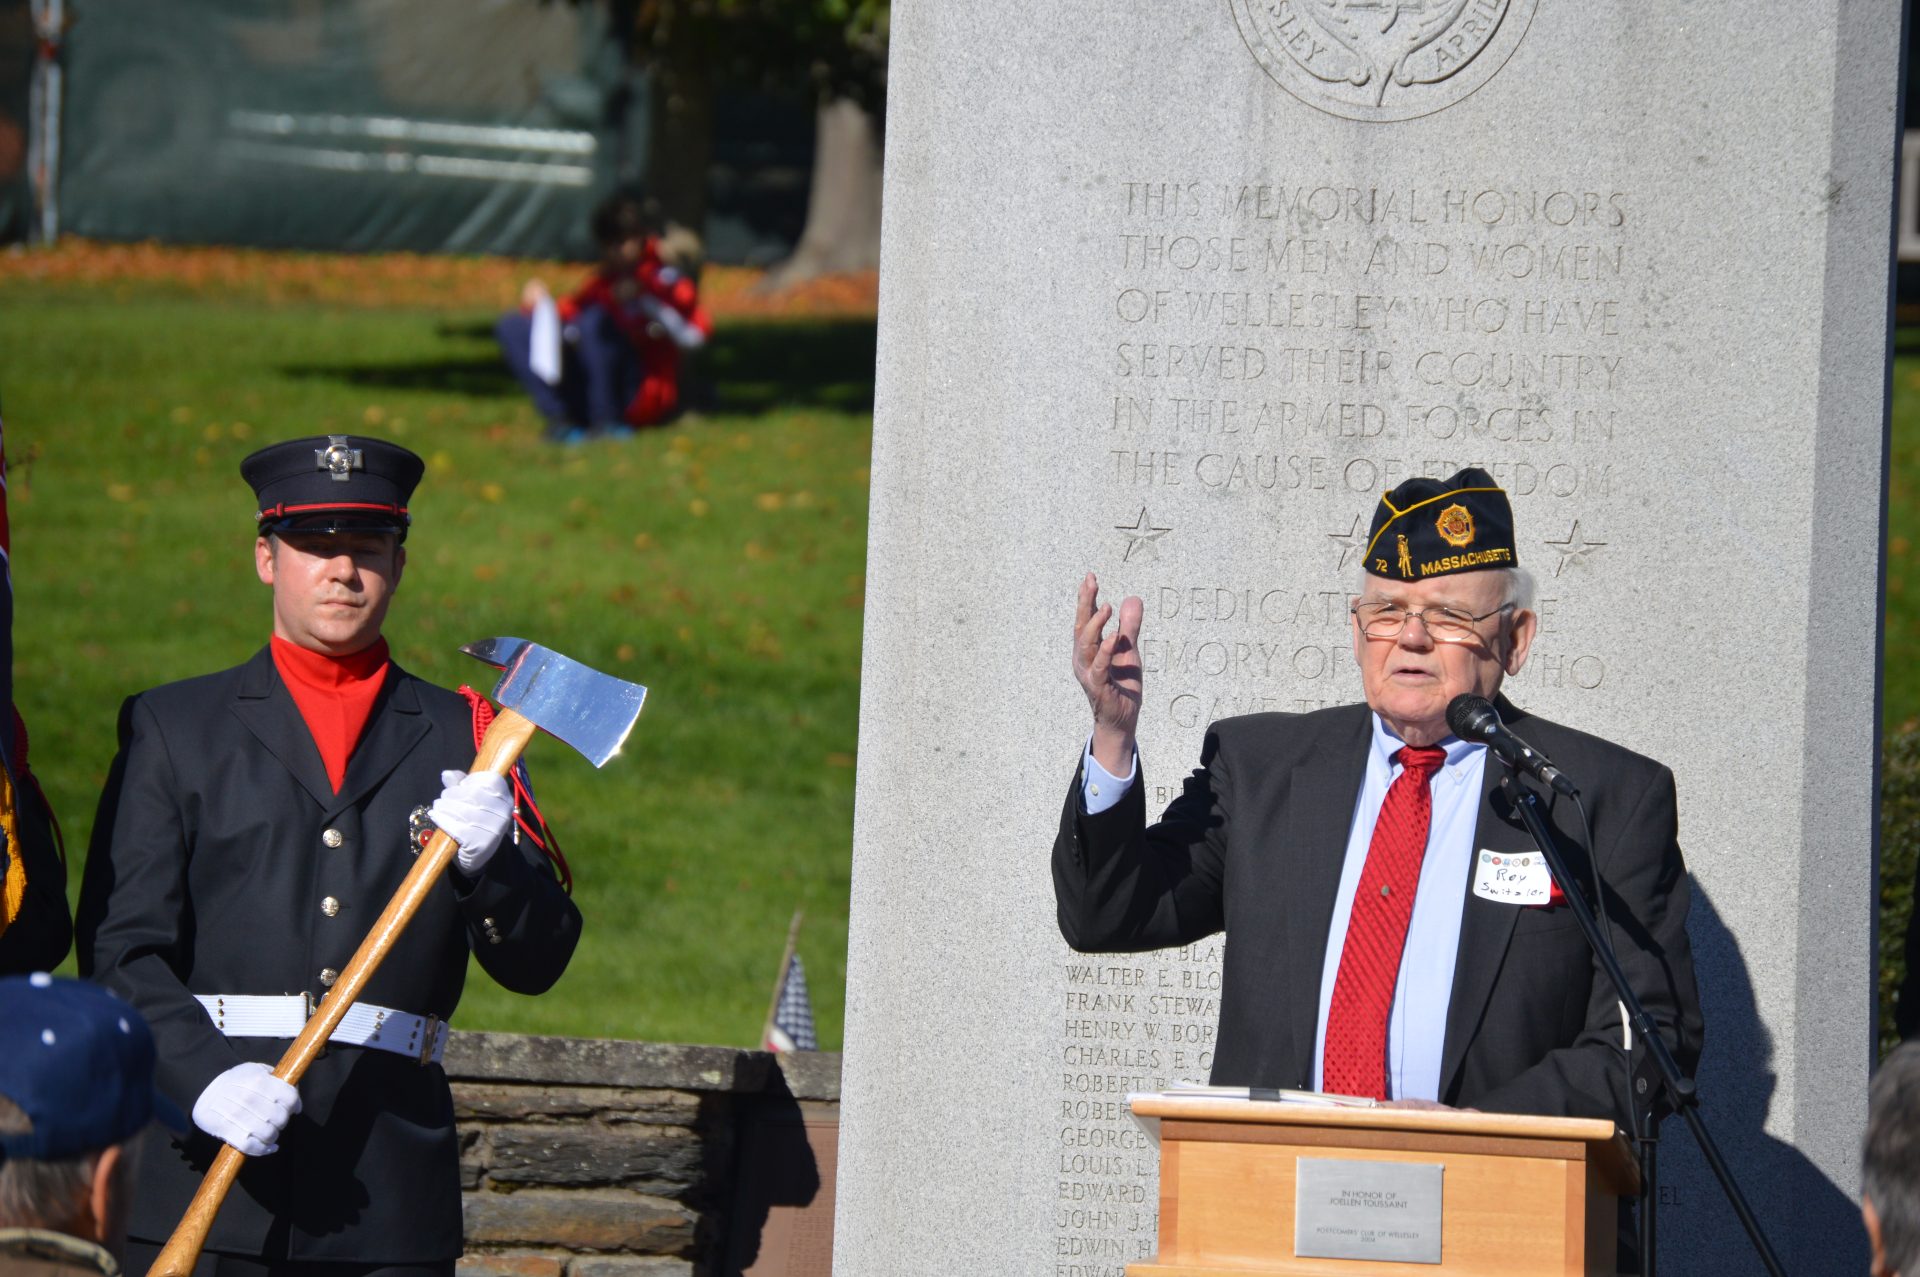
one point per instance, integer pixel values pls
(1100, 788)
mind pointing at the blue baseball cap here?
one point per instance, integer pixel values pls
(79, 1063)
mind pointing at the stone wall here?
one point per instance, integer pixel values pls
(625, 1159)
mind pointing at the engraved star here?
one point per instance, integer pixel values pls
(1141, 534)
(1574, 548)
(1354, 539)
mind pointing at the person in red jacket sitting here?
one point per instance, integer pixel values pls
(608, 358)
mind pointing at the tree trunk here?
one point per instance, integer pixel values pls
(680, 144)
(843, 202)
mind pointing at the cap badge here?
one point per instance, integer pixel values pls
(1455, 526)
(1406, 557)
(338, 458)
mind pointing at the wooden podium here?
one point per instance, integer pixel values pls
(1519, 1195)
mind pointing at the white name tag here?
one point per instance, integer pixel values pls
(1512, 879)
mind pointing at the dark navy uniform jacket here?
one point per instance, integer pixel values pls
(218, 838)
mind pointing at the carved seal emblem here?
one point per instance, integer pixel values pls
(1455, 526)
(1381, 59)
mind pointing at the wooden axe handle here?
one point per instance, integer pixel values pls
(499, 750)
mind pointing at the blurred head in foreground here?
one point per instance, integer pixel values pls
(76, 1085)
(1890, 1164)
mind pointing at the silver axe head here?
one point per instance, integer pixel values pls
(591, 711)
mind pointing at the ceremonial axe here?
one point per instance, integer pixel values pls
(538, 688)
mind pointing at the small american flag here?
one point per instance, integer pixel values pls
(791, 1028)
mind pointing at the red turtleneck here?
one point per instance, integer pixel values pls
(335, 695)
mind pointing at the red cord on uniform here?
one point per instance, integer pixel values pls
(537, 831)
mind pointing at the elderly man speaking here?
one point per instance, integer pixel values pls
(1348, 853)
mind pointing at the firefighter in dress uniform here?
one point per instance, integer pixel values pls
(254, 824)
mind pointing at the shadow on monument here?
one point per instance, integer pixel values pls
(780, 1223)
(1814, 1227)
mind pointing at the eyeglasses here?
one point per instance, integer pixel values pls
(1443, 624)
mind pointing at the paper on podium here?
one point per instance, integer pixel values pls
(1226, 1095)
(1272, 1094)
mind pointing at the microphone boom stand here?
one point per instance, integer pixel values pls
(1681, 1094)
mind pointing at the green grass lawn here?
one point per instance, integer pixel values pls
(1902, 672)
(718, 561)
(1900, 682)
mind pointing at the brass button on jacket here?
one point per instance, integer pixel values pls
(332, 838)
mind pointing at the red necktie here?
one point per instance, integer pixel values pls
(1355, 1062)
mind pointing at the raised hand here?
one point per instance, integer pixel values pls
(1108, 670)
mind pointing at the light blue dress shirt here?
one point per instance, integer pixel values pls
(1417, 1023)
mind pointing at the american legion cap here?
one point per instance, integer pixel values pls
(333, 483)
(79, 1063)
(1431, 527)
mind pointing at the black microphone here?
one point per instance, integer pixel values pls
(1473, 718)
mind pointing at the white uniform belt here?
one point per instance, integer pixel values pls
(249, 1015)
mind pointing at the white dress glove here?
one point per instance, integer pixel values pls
(475, 811)
(247, 1107)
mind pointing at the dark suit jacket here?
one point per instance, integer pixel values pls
(1255, 843)
(206, 875)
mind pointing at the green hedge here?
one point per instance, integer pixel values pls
(1899, 851)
